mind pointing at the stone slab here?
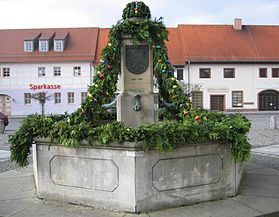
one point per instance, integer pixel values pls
(222, 208)
(135, 181)
(4, 154)
(54, 209)
(272, 150)
(17, 188)
(13, 206)
(264, 205)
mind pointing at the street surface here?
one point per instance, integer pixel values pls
(265, 141)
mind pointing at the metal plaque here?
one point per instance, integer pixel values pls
(137, 58)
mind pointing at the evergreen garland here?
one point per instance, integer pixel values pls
(107, 71)
(190, 125)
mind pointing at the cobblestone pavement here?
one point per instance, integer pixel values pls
(5, 163)
(260, 135)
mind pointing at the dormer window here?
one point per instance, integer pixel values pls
(43, 45)
(28, 46)
(30, 43)
(45, 41)
(58, 45)
(60, 41)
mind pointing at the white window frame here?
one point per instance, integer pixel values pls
(178, 71)
(29, 45)
(41, 71)
(83, 96)
(43, 45)
(71, 97)
(56, 71)
(237, 98)
(6, 72)
(197, 99)
(77, 70)
(58, 45)
(27, 98)
(57, 98)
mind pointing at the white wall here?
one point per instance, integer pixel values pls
(24, 74)
(246, 80)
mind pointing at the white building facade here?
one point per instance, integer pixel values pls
(56, 62)
(235, 67)
(233, 86)
(65, 83)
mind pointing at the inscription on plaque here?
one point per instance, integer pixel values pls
(137, 58)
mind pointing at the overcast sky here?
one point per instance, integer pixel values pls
(105, 13)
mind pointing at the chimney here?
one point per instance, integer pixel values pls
(237, 24)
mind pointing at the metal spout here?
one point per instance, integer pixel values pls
(137, 106)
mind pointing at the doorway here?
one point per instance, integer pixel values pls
(217, 102)
(269, 100)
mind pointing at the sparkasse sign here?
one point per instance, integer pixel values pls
(44, 86)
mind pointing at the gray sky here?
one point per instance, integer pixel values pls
(105, 13)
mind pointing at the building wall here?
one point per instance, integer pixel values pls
(246, 79)
(24, 74)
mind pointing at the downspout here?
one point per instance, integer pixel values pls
(91, 74)
(188, 69)
(188, 72)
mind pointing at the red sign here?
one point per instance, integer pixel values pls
(44, 86)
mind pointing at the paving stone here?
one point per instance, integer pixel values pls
(10, 207)
(264, 205)
(221, 208)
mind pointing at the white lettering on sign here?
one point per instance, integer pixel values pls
(44, 86)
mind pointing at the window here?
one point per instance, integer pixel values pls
(83, 96)
(43, 45)
(77, 70)
(28, 46)
(41, 71)
(237, 98)
(197, 99)
(263, 72)
(57, 98)
(27, 98)
(229, 73)
(205, 73)
(71, 97)
(275, 72)
(57, 71)
(179, 74)
(6, 72)
(58, 45)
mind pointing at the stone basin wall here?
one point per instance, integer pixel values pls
(124, 177)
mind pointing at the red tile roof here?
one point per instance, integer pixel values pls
(81, 45)
(186, 43)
